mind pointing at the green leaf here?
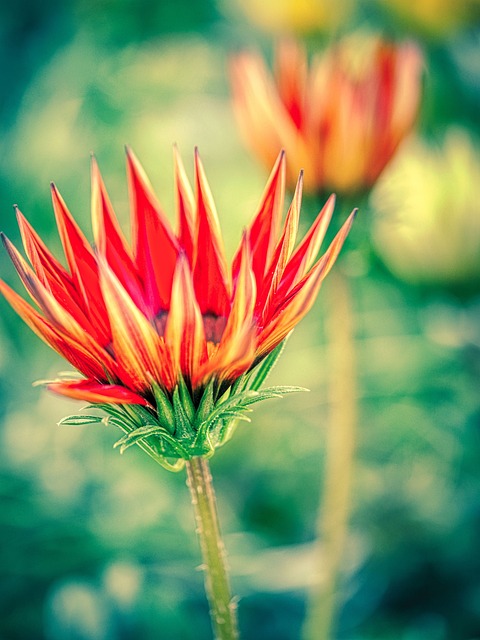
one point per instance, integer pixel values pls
(261, 372)
(283, 390)
(139, 434)
(171, 466)
(77, 421)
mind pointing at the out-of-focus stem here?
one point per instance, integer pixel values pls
(340, 445)
(217, 586)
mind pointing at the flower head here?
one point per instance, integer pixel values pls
(298, 16)
(164, 327)
(341, 118)
(427, 227)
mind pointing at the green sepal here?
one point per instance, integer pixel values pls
(186, 400)
(166, 416)
(206, 404)
(183, 426)
(77, 421)
(260, 373)
(134, 436)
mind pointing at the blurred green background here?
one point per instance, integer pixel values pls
(101, 547)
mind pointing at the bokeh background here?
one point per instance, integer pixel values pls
(95, 546)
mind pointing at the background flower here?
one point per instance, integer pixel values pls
(428, 227)
(341, 117)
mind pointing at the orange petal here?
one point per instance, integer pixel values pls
(79, 356)
(304, 255)
(137, 346)
(109, 239)
(210, 271)
(300, 300)
(91, 391)
(265, 227)
(50, 272)
(184, 330)
(282, 253)
(236, 350)
(185, 205)
(59, 283)
(155, 245)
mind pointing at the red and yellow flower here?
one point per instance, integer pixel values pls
(164, 327)
(341, 118)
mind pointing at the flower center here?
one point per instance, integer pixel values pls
(213, 325)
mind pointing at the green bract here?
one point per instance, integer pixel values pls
(181, 427)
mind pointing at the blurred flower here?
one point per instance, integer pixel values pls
(428, 230)
(434, 17)
(341, 119)
(165, 328)
(297, 16)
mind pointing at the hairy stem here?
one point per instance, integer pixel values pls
(340, 447)
(217, 586)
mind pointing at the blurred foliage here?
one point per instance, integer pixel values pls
(98, 546)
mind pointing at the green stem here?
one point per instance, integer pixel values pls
(222, 606)
(339, 460)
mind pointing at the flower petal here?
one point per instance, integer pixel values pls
(185, 205)
(91, 391)
(155, 246)
(281, 255)
(109, 239)
(184, 330)
(264, 229)
(138, 348)
(210, 271)
(236, 351)
(306, 251)
(300, 300)
(80, 357)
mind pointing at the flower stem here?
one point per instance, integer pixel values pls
(339, 461)
(217, 586)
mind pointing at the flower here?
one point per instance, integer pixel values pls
(427, 225)
(341, 119)
(170, 341)
(298, 16)
(434, 18)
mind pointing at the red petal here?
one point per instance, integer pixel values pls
(282, 254)
(138, 348)
(236, 351)
(210, 271)
(306, 251)
(90, 391)
(184, 331)
(155, 246)
(75, 353)
(185, 207)
(56, 280)
(49, 271)
(300, 300)
(109, 239)
(264, 229)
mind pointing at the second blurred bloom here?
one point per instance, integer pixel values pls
(340, 118)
